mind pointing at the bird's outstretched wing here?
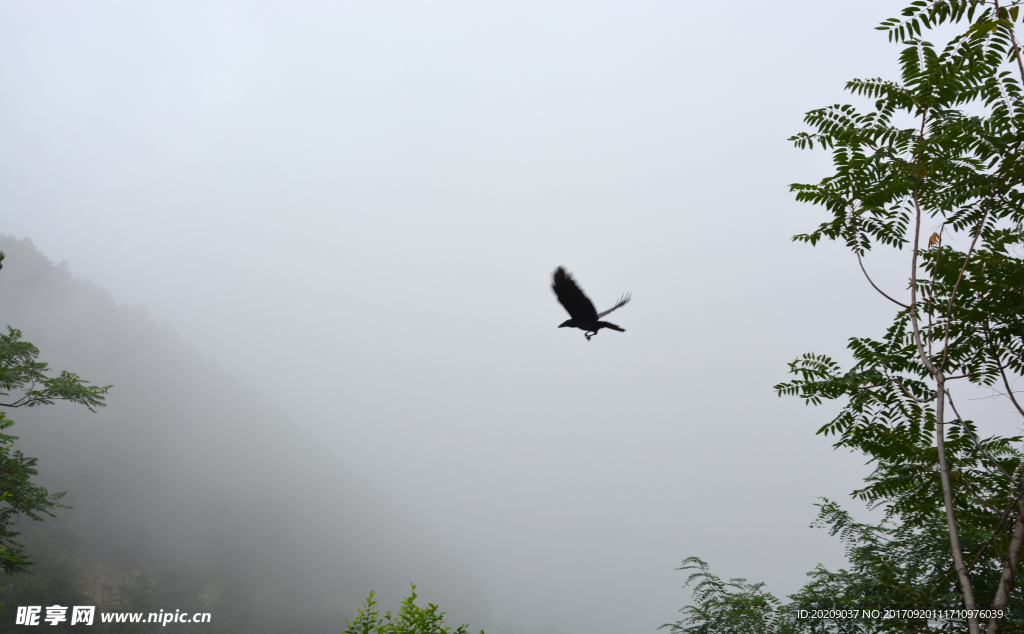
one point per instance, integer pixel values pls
(622, 302)
(572, 298)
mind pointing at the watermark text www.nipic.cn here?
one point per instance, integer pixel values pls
(85, 614)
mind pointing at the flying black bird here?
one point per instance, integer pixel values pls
(581, 309)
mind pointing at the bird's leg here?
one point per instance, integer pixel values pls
(589, 335)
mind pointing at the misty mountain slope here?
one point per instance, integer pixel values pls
(191, 487)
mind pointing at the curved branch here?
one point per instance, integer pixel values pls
(967, 259)
(1016, 47)
(1002, 373)
(940, 440)
(1009, 392)
(1002, 521)
(977, 443)
(905, 390)
(875, 286)
(975, 494)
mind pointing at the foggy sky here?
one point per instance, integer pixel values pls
(356, 209)
(191, 487)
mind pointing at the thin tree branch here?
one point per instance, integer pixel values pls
(1009, 392)
(940, 441)
(906, 391)
(960, 277)
(931, 294)
(974, 494)
(965, 376)
(1016, 48)
(1002, 373)
(875, 286)
(967, 258)
(977, 443)
(1010, 563)
(1002, 521)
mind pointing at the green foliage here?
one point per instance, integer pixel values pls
(19, 369)
(957, 173)
(19, 496)
(934, 167)
(726, 607)
(411, 619)
(53, 580)
(891, 566)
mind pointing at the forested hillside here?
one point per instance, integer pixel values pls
(191, 490)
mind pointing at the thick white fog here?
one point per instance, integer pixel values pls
(192, 491)
(354, 209)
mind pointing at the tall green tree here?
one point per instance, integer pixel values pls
(934, 169)
(24, 382)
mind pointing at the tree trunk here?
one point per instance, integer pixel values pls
(1010, 562)
(947, 497)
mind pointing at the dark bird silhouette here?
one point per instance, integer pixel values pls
(580, 308)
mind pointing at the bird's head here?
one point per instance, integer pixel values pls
(568, 323)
